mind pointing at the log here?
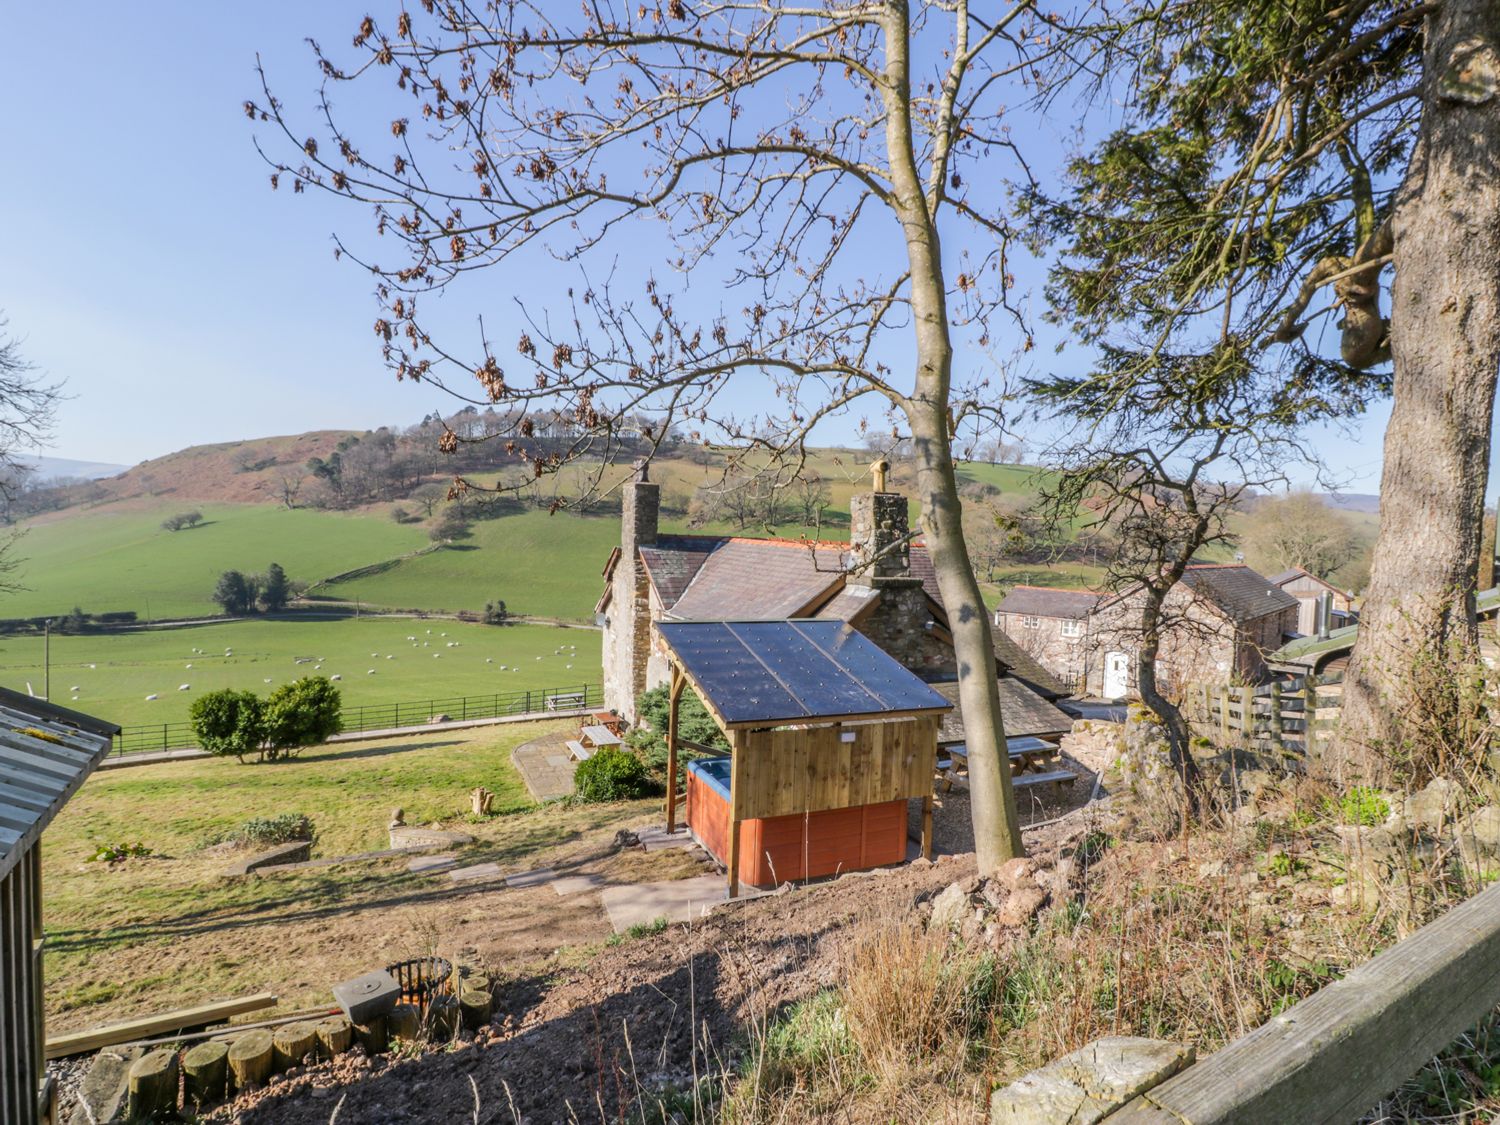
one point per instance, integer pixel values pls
(374, 1036)
(442, 1017)
(479, 982)
(335, 1036)
(205, 1073)
(292, 1044)
(81, 1042)
(476, 1006)
(152, 1093)
(250, 1059)
(405, 1021)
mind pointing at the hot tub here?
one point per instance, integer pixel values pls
(803, 846)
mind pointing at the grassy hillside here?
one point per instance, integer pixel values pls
(114, 673)
(120, 559)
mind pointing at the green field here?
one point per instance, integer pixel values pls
(115, 672)
(124, 560)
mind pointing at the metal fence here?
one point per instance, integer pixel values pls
(384, 716)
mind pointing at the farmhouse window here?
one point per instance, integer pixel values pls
(1031, 622)
(1072, 628)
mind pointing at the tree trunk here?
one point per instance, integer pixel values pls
(1179, 738)
(992, 801)
(1445, 337)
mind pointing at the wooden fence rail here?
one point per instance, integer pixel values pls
(1269, 718)
(1337, 1053)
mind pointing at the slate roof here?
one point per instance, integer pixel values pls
(1016, 661)
(1298, 572)
(1239, 591)
(46, 753)
(1024, 712)
(673, 562)
(1049, 601)
(752, 579)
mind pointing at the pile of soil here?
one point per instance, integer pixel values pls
(586, 1042)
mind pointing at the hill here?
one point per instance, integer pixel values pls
(53, 468)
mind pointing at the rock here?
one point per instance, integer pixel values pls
(994, 894)
(625, 838)
(1369, 843)
(1022, 906)
(1479, 834)
(950, 908)
(102, 1095)
(920, 862)
(1213, 869)
(1085, 1086)
(1431, 808)
(1015, 873)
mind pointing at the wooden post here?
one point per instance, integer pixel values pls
(335, 1036)
(674, 697)
(927, 826)
(292, 1043)
(250, 1059)
(736, 792)
(1247, 716)
(1276, 739)
(404, 1021)
(205, 1074)
(153, 1087)
(1223, 716)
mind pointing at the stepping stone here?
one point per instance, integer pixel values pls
(576, 884)
(531, 878)
(477, 871)
(655, 838)
(431, 864)
(678, 900)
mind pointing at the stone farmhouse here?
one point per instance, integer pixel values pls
(1308, 589)
(1223, 621)
(879, 582)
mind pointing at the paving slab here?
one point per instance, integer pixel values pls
(654, 838)
(576, 884)
(431, 864)
(477, 871)
(677, 900)
(531, 878)
(545, 766)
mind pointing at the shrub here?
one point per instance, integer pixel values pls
(305, 712)
(1363, 805)
(182, 520)
(275, 829)
(229, 722)
(694, 723)
(611, 774)
(116, 853)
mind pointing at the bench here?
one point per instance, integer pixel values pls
(579, 750)
(1062, 777)
(568, 701)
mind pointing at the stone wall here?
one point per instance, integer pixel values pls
(1068, 658)
(900, 624)
(878, 530)
(627, 620)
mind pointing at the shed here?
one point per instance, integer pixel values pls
(46, 753)
(829, 738)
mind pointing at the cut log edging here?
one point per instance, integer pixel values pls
(1337, 1053)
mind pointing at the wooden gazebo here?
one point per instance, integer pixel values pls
(829, 738)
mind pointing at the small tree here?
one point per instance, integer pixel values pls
(229, 722)
(181, 520)
(275, 589)
(236, 593)
(495, 613)
(305, 712)
(449, 526)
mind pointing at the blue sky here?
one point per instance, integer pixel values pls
(148, 264)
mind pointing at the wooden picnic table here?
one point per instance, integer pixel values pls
(1032, 761)
(598, 736)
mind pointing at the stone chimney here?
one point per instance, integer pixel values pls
(627, 625)
(879, 533)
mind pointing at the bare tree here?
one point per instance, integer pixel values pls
(1164, 462)
(792, 135)
(28, 404)
(289, 486)
(1299, 529)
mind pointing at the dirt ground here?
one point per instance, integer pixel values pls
(581, 1038)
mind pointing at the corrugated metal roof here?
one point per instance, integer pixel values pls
(1303, 649)
(46, 753)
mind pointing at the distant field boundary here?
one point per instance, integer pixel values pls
(155, 738)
